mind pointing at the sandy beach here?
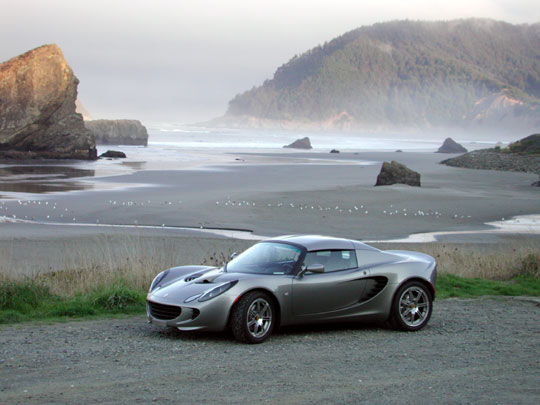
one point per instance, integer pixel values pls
(267, 193)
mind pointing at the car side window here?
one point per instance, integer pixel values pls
(332, 260)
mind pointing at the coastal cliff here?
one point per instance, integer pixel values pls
(37, 108)
(476, 74)
(118, 132)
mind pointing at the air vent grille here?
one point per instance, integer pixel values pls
(373, 287)
(164, 312)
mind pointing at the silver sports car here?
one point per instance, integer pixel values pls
(293, 280)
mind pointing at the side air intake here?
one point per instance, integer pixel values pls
(373, 287)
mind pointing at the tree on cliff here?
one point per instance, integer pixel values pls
(404, 72)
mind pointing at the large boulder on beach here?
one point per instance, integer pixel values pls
(303, 143)
(118, 132)
(451, 146)
(37, 108)
(393, 173)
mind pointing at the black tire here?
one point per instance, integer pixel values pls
(412, 307)
(256, 307)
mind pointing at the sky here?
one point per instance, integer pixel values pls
(183, 60)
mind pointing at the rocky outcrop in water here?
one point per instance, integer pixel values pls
(451, 146)
(303, 143)
(37, 108)
(118, 132)
(489, 159)
(519, 156)
(114, 154)
(393, 173)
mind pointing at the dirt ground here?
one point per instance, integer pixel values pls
(473, 351)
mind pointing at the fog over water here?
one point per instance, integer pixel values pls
(183, 61)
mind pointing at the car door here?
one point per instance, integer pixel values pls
(338, 288)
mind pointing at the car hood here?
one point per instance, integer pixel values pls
(178, 291)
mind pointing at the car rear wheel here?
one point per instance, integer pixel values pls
(253, 317)
(412, 306)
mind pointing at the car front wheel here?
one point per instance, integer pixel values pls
(253, 318)
(412, 307)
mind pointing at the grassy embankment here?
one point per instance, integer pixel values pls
(118, 287)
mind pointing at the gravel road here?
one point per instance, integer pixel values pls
(473, 351)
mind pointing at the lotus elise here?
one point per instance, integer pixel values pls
(294, 280)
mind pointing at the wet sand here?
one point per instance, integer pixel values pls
(277, 193)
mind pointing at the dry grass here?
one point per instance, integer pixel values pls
(81, 267)
(486, 261)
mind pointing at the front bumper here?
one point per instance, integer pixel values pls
(211, 315)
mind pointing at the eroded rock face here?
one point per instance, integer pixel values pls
(118, 132)
(451, 146)
(303, 143)
(392, 173)
(37, 108)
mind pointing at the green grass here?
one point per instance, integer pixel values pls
(449, 285)
(100, 291)
(31, 300)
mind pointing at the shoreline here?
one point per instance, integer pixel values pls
(522, 225)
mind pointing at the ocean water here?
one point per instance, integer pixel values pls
(174, 135)
(174, 146)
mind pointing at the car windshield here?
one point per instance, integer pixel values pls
(266, 258)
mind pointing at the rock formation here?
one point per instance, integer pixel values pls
(37, 108)
(519, 156)
(392, 173)
(113, 154)
(451, 146)
(303, 143)
(118, 132)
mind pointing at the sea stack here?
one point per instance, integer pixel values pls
(303, 143)
(451, 146)
(118, 132)
(37, 108)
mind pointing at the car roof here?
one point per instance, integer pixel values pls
(319, 242)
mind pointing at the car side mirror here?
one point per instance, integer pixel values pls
(234, 256)
(312, 268)
(315, 268)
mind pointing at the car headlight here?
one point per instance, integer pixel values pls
(158, 279)
(214, 292)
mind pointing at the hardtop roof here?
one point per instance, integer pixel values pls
(319, 242)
